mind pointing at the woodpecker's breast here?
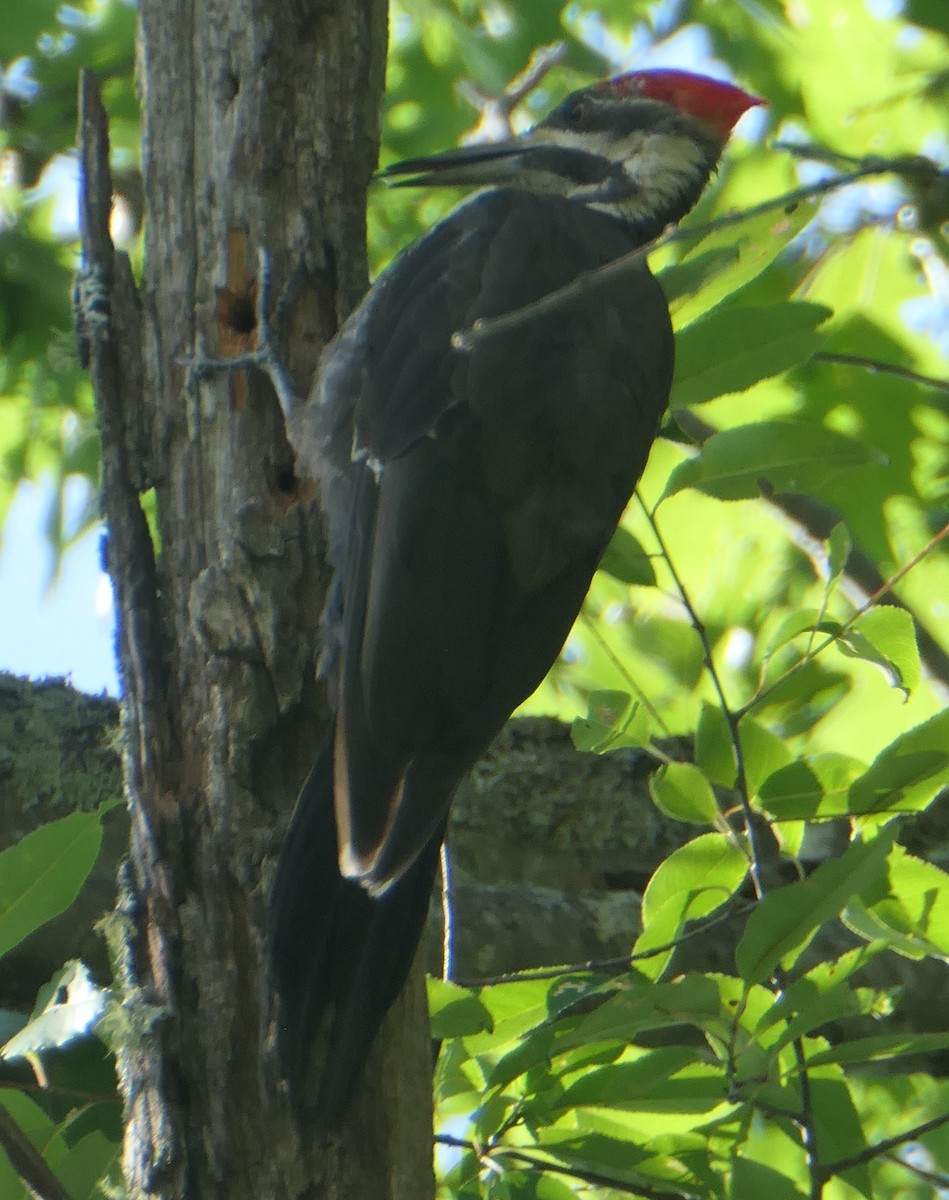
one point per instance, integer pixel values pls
(554, 417)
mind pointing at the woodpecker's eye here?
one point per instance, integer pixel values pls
(574, 111)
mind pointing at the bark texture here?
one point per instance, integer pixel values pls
(260, 128)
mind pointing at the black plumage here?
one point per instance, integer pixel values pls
(470, 485)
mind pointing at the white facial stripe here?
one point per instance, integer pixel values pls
(662, 164)
(659, 165)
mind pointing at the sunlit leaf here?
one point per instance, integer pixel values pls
(909, 773)
(837, 1122)
(788, 917)
(881, 1048)
(714, 749)
(41, 875)
(682, 792)
(822, 994)
(735, 346)
(885, 635)
(758, 240)
(816, 786)
(837, 547)
(763, 752)
(626, 560)
(776, 456)
(455, 1011)
(804, 620)
(613, 719)
(691, 883)
(912, 911)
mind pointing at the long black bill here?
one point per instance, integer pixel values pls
(482, 163)
(537, 165)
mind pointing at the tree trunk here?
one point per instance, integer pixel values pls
(260, 130)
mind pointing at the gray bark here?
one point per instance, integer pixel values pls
(260, 128)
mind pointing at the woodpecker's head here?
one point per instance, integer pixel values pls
(640, 146)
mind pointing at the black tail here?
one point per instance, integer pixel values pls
(332, 945)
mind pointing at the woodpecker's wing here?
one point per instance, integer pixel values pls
(470, 494)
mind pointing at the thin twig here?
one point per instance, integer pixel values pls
(55, 1089)
(877, 367)
(815, 519)
(775, 1112)
(596, 1178)
(27, 1161)
(756, 859)
(892, 1143)
(617, 662)
(540, 63)
(114, 361)
(832, 639)
(937, 1179)
(496, 111)
(806, 1123)
(486, 327)
(904, 164)
(741, 779)
(610, 965)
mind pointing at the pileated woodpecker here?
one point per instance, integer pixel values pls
(470, 486)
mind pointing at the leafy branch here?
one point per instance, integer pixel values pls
(878, 366)
(28, 1162)
(916, 167)
(491, 1155)
(744, 797)
(847, 625)
(884, 1147)
(610, 965)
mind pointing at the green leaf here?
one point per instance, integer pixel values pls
(881, 1048)
(771, 456)
(804, 620)
(817, 786)
(682, 792)
(681, 280)
(690, 884)
(625, 1010)
(787, 918)
(837, 1123)
(735, 346)
(85, 1163)
(909, 773)
(613, 719)
(913, 912)
(669, 1080)
(654, 1105)
(626, 560)
(823, 994)
(698, 877)
(524, 1014)
(763, 752)
(42, 874)
(886, 636)
(758, 241)
(769, 1164)
(714, 750)
(837, 547)
(455, 1011)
